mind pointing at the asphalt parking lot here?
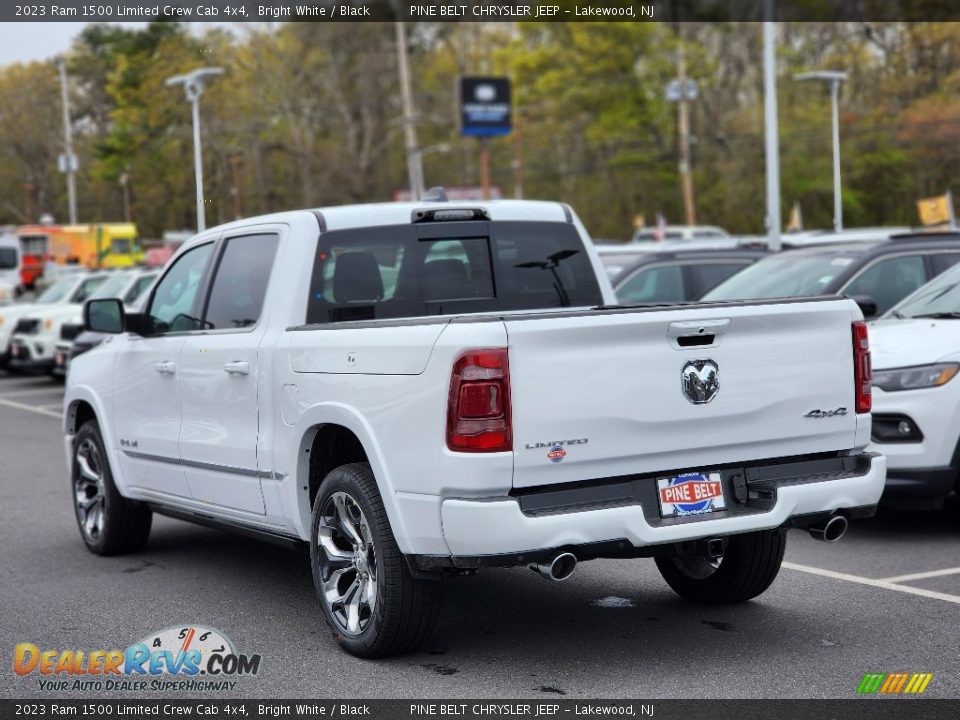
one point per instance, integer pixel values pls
(885, 599)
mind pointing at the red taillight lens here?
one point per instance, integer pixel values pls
(478, 407)
(862, 370)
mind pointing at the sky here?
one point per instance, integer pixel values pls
(27, 41)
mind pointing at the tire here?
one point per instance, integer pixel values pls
(109, 523)
(749, 565)
(370, 601)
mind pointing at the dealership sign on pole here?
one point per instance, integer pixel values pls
(485, 106)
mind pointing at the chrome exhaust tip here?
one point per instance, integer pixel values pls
(558, 569)
(831, 530)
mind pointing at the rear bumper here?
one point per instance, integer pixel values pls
(487, 527)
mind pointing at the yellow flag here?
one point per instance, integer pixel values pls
(936, 210)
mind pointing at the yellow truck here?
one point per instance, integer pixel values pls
(102, 245)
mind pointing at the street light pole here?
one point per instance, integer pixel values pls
(834, 78)
(70, 163)
(771, 133)
(193, 85)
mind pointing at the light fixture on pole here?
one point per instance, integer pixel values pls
(834, 78)
(193, 85)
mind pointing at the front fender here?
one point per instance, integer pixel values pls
(73, 397)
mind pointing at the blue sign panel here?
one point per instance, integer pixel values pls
(485, 105)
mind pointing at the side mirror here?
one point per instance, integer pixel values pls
(867, 305)
(103, 316)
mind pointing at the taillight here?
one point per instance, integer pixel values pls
(862, 371)
(478, 407)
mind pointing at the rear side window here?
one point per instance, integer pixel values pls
(240, 282)
(135, 292)
(449, 268)
(86, 288)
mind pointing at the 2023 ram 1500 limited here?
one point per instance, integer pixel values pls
(417, 390)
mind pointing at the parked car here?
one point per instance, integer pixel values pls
(916, 421)
(418, 390)
(809, 238)
(679, 232)
(678, 276)
(130, 287)
(10, 266)
(877, 275)
(71, 289)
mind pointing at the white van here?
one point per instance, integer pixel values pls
(10, 262)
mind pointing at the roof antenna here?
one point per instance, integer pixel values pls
(435, 194)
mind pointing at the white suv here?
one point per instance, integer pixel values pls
(916, 399)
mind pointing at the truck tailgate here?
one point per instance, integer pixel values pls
(602, 394)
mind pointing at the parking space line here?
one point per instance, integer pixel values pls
(31, 391)
(31, 408)
(922, 575)
(15, 381)
(883, 584)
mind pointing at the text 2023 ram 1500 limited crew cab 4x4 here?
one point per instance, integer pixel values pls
(419, 389)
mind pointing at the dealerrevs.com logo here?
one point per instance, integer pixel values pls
(189, 658)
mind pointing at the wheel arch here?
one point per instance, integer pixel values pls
(336, 435)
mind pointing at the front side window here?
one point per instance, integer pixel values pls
(120, 246)
(240, 284)
(708, 275)
(889, 281)
(172, 306)
(660, 284)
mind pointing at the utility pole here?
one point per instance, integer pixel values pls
(235, 161)
(683, 128)
(484, 143)
(771, 134)
(518, 159)
(69, 164)
(414, 161)
(28, 201)
(125, 190)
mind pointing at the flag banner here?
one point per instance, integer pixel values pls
(936, 210)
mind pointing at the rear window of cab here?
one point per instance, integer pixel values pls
(449, 268)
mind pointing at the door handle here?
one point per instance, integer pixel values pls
(238, 367)
(166, 367)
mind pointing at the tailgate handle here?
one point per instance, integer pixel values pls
(695, 340)
(696, 333)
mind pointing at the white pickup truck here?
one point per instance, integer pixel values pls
(422, 389)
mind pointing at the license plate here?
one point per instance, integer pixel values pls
(59, 360)
(14, 350)
(694, 493)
